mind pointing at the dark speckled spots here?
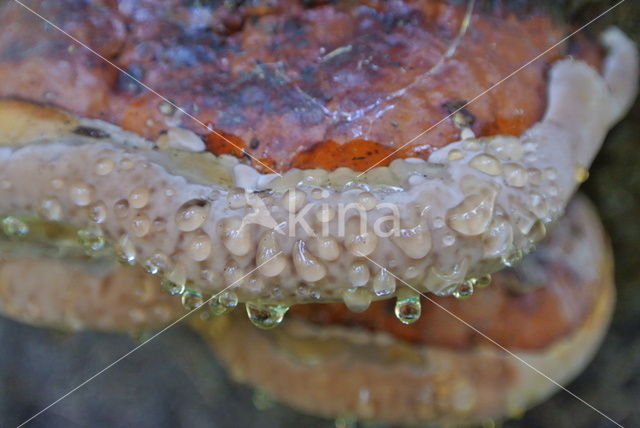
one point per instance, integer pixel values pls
(130, 83)
(290, 73)
(88, 131)
(462, 116)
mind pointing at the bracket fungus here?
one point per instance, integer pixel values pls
(303, 156)
(328, 361)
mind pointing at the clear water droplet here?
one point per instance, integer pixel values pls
(13, 226)
(225, 302)
(97, 212)
(464, 290)
(192, 299)
(265, 316)
(176, 280)
(172, 288)
(126, 250)
(50, 209)
(156, 264)
(513, 258)
(483, 281)
(408, 309)
(92, 240)
(384, 283)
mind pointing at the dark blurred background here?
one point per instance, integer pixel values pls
(174, 380)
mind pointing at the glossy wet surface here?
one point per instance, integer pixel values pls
(174, 380)
(288, 77)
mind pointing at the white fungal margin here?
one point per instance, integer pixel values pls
(475, 205)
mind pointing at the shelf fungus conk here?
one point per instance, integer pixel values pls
(329, 361)
(336, 165)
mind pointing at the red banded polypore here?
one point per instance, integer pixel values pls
(203, 222)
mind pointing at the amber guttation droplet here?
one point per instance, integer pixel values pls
(581, 174)
(357, 300)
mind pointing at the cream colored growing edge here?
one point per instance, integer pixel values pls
(201, 222)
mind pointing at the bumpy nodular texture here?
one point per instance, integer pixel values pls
(204, 223)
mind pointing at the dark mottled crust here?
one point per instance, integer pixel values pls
(290, 75)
